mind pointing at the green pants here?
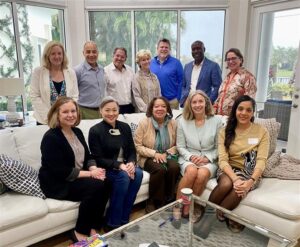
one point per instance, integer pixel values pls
(89, 113)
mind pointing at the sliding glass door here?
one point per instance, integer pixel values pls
(273, 54)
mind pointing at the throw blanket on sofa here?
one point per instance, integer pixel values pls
(282, 167)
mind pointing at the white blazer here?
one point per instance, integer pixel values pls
(40, 91)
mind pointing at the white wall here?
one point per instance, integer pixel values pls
(76, 31)
(294, 133)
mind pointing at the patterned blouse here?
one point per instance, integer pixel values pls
(242, 83)
(53, 91)
(145, 88)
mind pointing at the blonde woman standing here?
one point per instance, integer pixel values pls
(146, 85)
(51, 80)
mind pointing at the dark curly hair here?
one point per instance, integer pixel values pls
(232, 121)
(149, 112)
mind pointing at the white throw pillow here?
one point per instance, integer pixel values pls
(20, 177)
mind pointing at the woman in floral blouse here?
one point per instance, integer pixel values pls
(238, 82)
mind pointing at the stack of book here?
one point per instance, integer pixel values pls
(93, 241)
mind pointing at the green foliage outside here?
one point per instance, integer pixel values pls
(283, 62)
(8, 48)
(284, 57)
(284, 73)
(113, 29)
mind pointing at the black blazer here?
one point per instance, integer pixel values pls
(58, 162)
(105, 147)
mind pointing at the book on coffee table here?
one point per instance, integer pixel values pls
(92, 241)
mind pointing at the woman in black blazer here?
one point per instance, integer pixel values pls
(112, 146)
(68, 172)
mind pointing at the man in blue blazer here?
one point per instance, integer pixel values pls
(201, 73)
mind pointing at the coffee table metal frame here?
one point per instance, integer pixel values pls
(275, 239)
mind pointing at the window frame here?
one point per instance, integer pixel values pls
(178, 9)
(17, 31)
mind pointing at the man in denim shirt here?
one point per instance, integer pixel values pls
(91, 82)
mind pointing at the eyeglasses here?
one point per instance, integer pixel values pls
(231, 59)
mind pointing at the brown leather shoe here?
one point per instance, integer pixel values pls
(198, 213)
(234, 226)
(150, 207)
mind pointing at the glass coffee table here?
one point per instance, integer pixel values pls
(164, 227)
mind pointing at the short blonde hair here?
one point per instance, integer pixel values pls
(46, 54)
(187, 110)
(53, 121)
(142, 53)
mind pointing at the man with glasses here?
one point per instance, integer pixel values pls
(169, 71)
(201, 73)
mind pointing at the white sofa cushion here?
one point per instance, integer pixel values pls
(60, 205)
(273, 195)
(8, 144)
(16, 209)
(28, 142)
(85, 126)
(288, 228)
(279, 197)
(134, 118)
(146, 177)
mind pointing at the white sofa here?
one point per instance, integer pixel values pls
(25, 220)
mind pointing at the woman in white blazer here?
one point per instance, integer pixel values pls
(51, 80)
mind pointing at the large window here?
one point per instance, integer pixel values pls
(276, 65)
(8, 51)
(110, 30)
(151, 26)
(137, 30)
(207, 26)
(285, 43)
(35, 27)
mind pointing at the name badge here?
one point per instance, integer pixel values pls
(252, 141)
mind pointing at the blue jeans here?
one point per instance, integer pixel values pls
(123, 195)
